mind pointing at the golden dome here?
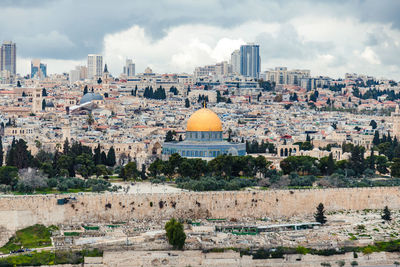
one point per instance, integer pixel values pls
(204, 120)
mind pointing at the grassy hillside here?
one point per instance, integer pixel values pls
(35, 236)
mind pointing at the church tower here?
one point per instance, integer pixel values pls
(396, 122)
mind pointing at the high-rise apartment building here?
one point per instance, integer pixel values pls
(8, 57)
(95, 65)
(129, 68)
(212, 70)
(38, 69)
(281, 75)
(74, 76)
(250, 61)
(235, 61)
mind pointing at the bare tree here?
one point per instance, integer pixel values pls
(33, 178)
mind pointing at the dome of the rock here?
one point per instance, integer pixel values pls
(204, 120)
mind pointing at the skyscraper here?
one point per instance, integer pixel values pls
(235, 61)
(8, 55)
(95, 65)
(250, 60)
(129, 68)
(38, 70)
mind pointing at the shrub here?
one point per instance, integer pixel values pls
(175, 233)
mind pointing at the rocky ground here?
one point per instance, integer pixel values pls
(344, 228)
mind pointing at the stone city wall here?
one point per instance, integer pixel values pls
(22, 211)
(232, 259)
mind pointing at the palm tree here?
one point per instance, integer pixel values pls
(38, 144)
(90, 119)
(58, 146)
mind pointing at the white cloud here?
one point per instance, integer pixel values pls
(369, 55)
(181, 50)
(326, 46)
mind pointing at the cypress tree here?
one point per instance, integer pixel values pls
(371, 162)
(85, 90)
(66, 147)
(97, 155)
(143, 172)
(10, 154)
(111, 157)
(21, 156)
(376, 139)
(387, 215)
(330, 164)
(320, 214)
(103, 158)
(1, 152)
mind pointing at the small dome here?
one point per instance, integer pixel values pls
(90, 97)
(204, 120)
(50, 104)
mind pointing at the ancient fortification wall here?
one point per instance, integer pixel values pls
(21, 211)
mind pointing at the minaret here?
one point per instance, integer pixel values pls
(396, 122)
(105, 79)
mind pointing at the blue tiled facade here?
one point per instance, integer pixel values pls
(203, 145)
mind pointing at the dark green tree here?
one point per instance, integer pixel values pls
(320, 214)
(376, 139)
(44, 92)
(85, 165)
(175, 234)
(373, 124)
(103, 158)
(357, 161)
(187, 103)
(387, 215)
(170, 136)
(111, 160)
(97, 155)
(85, 90)
(19, 155)
(381, 164)
(156, 168)
(130, 171)
(43, 104)
(1, 152)
(330, 168)
(143, 175)
(8, 175)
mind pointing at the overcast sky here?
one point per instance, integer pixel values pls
(330, 37)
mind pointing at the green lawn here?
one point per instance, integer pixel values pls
(49, 258)
(54, 191)
(35, 236)
(33, 259)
